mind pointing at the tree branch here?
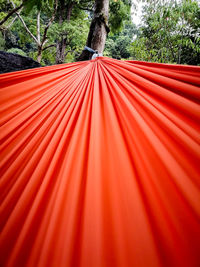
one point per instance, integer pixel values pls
(27, 29)
(13, 20)
(69, 52)
(49, 23)
(25, 26)
(38, 26)
(11, 13)
(47, 47)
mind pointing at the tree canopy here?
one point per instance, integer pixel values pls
(55, 31)
(170, 32)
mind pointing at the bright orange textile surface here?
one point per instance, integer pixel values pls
(100, 165)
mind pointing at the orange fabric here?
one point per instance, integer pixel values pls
(100, 165)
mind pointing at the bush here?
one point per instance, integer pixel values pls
(17, 51)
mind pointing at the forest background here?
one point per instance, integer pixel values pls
(55, 31)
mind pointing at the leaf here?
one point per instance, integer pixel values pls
(31, 3)
(51, 2)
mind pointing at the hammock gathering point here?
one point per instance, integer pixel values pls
(100, 165)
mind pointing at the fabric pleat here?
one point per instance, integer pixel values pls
(100, 165)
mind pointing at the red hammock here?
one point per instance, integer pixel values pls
(100, 165)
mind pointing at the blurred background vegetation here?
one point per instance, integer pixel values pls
(53, 32)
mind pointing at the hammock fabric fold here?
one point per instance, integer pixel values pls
(100, 165)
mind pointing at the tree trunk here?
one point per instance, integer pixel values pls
(39, 55)
(98, 29)
(60, 51)
(69, 11)
(61, 44)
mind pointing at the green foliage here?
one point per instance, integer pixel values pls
(170, 32)
(119, 12)
(16, 37)
(73, 31)
(119, 40)
(39, 4)
(118, 45)
(70, 30)
(5, 7)
(2, 42)
(19, 35)
(17, 51)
